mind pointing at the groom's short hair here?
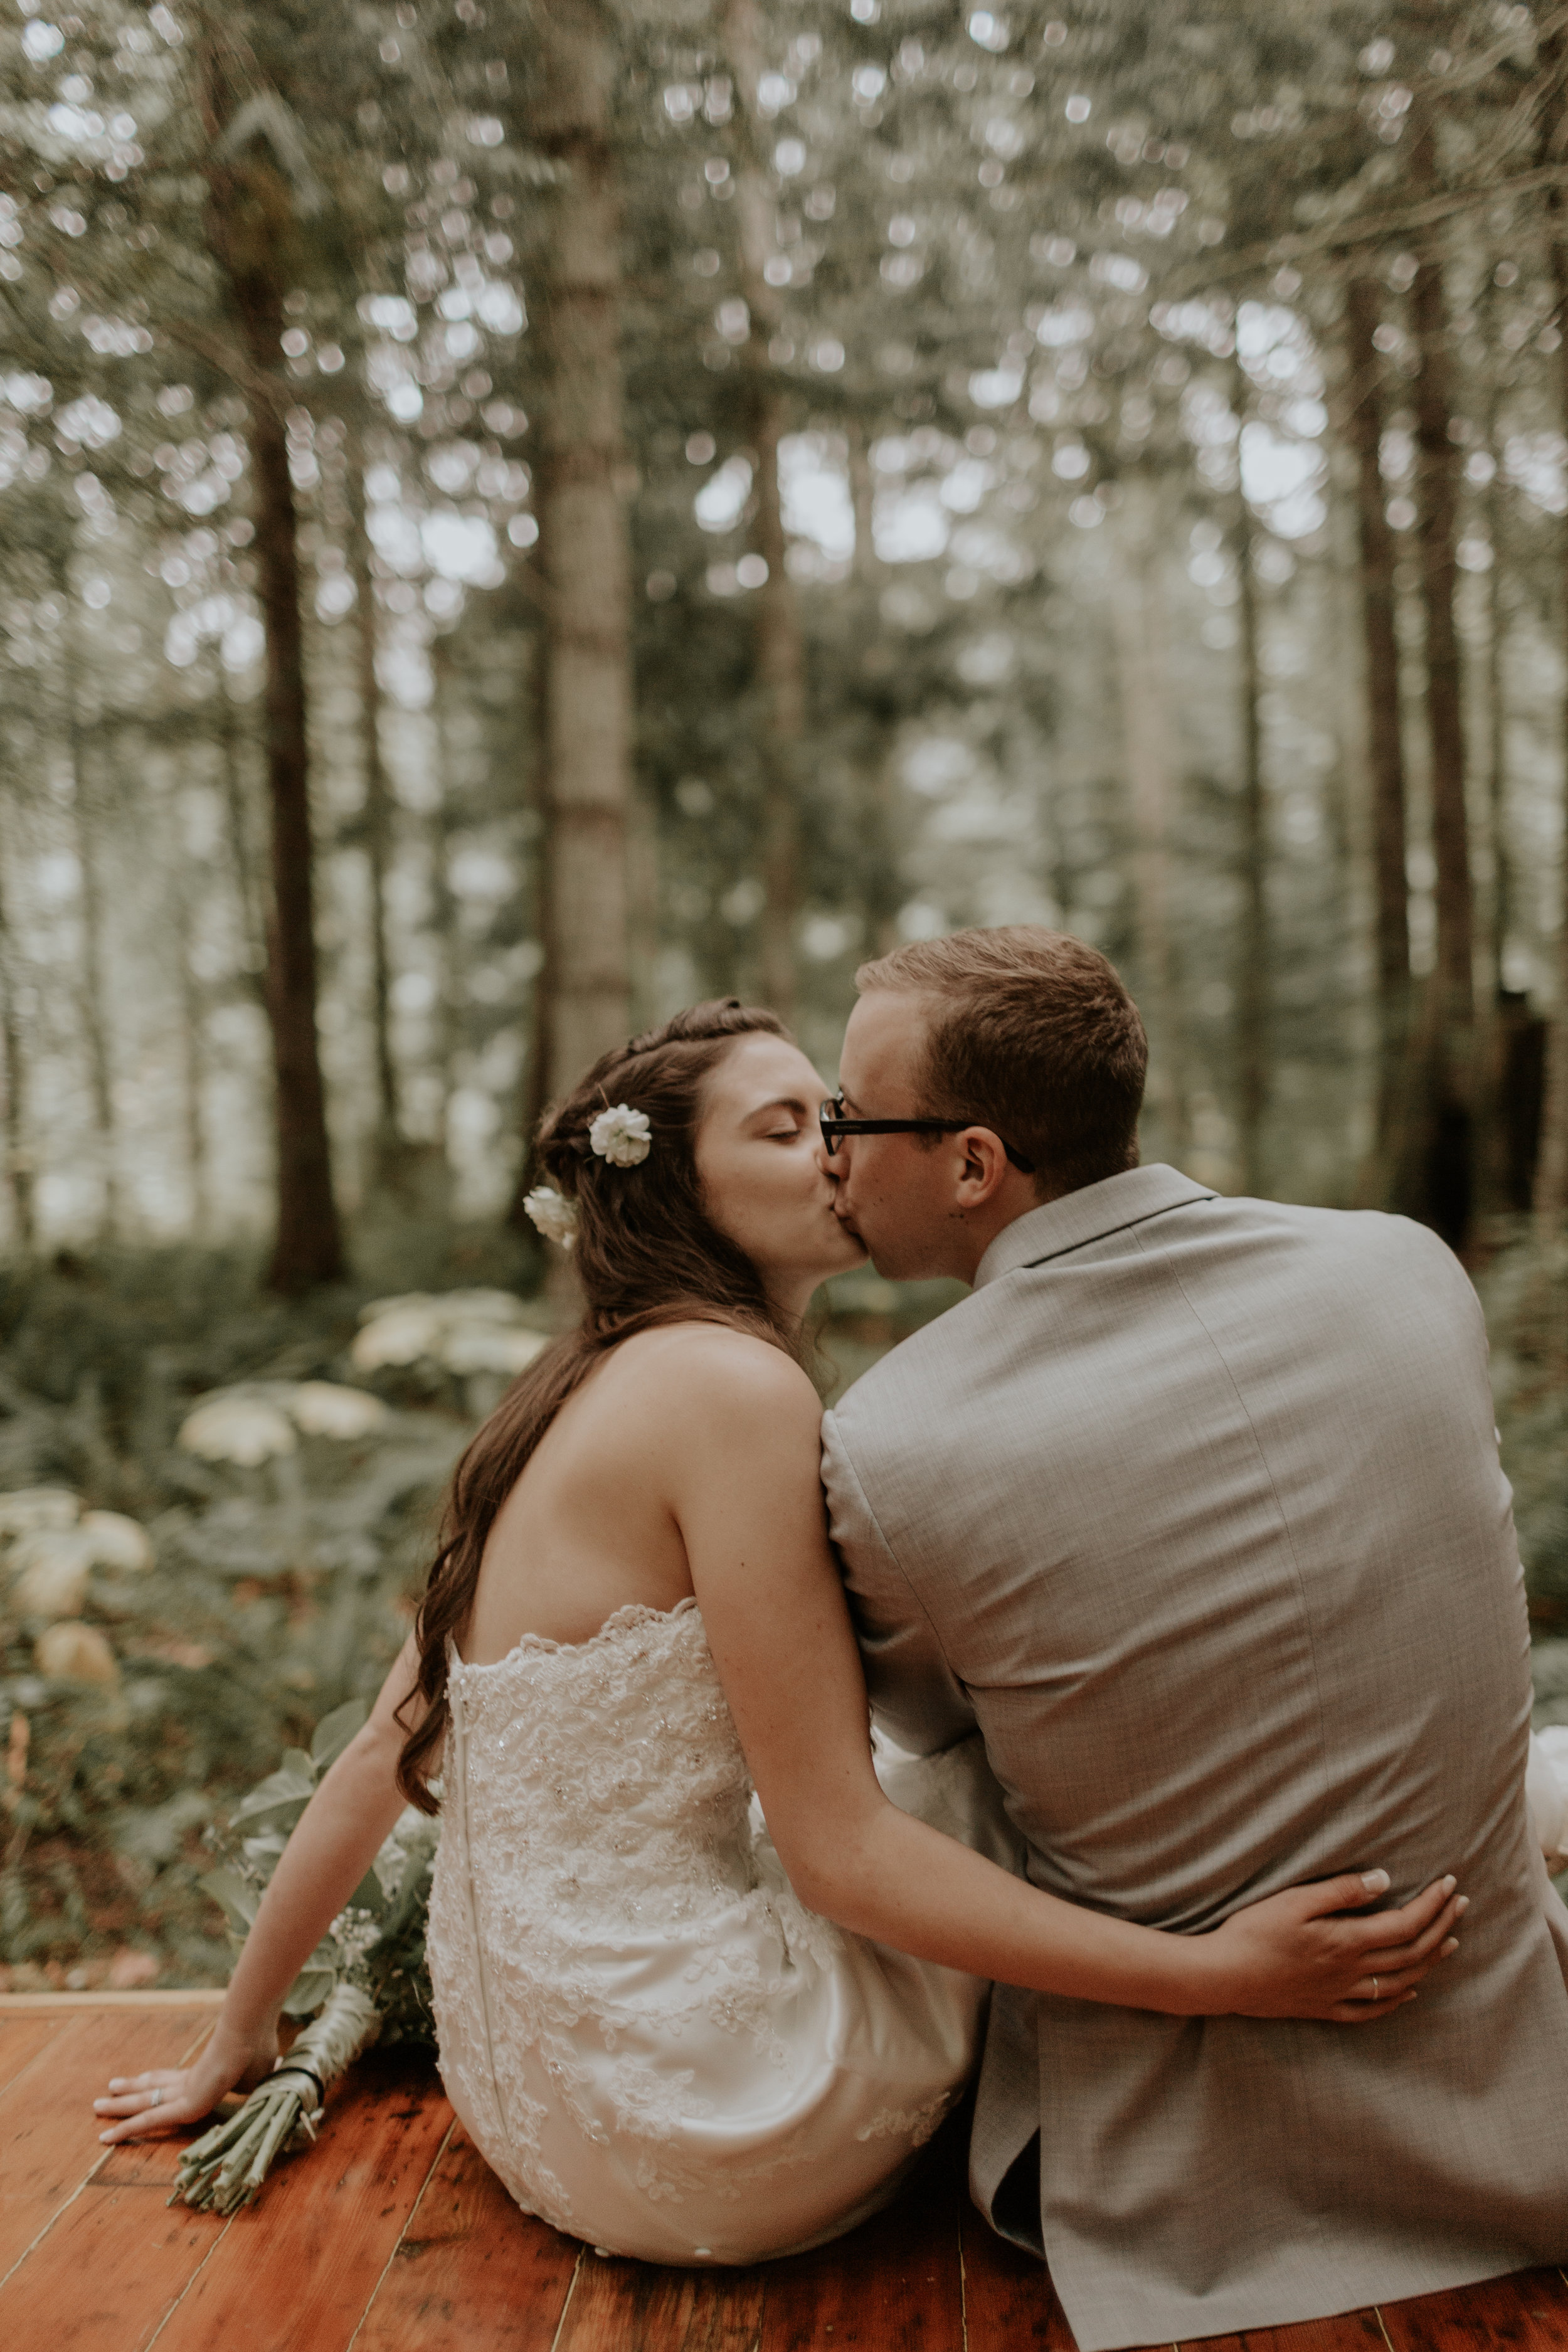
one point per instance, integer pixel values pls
(1033, 1035)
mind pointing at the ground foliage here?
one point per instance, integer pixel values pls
(281, 1591)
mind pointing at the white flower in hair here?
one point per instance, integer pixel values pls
(552, 1214)
(622, 1136)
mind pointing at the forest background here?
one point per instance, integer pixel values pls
(517, 517)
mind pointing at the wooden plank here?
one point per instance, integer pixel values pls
(471, 2272)
(1351, 2331)
(297, 2270)
(893, 2285)
(21, 2039)
(108, 2274)
(1009, 2303)
(146, 2163)
(153, 2163)
(383, 2230)
(49, 2135)
(25, 2003)
(622, 2306)
(1528, 2312)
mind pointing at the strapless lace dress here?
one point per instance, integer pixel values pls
(654, 2044)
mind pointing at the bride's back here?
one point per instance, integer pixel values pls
(588, 1527)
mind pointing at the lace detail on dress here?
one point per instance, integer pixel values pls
(632, 2005)
(915, 2125)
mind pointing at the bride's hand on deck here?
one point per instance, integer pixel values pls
(172, 2098)
(1299, 1955)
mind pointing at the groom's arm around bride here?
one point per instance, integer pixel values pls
(1193, 1508)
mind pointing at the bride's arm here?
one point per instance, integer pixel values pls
(337, 1838)
(745, 1489)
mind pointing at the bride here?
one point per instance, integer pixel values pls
(673, 2031)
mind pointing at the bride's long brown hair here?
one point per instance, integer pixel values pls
(647, 1254)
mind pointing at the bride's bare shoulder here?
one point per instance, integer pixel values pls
(716, 1370)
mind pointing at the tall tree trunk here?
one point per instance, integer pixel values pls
(93, 995)
(534, 1091)
(14, 1072)
(1498, 1024)
(193, 1042)
(781, 671)
(863, 503)
(1142, 651)
(95, 1016)
(1363, 424)
(642, 908)
(582, 994)
(377, 814)
(1500, 898)
(876, 765)
(308, 1248)
(241, 848)
(447, 1027)
(882, 893)
(1439, 468)
(1344, 785)
(780, 640)
(1253, 1007)
(249, 219)
(1500, 910)
(1448, 1185)
(1550, 1201)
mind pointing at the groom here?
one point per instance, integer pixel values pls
(1194, 1507)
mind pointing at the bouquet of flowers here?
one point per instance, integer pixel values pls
(366, 1980)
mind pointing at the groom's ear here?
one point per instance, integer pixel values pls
(983, 1169)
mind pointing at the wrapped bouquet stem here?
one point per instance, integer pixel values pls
(224, 2169)
(365, 1982)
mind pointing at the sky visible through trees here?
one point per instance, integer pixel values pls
(516, 517)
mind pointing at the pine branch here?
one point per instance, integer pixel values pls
(1362, 228)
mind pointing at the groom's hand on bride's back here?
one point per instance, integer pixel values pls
(1313, 1951)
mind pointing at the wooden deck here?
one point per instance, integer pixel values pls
(393, 2236)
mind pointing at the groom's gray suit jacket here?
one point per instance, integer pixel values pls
(1194, 1508)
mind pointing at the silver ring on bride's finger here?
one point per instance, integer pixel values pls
(1374, 1991)
(157, 2098)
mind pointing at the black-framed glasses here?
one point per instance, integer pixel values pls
(835, 1126)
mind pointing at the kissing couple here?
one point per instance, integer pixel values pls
(1177, 1566)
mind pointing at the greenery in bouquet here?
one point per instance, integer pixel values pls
(365, 1982)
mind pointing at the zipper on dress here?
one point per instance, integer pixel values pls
(460, 1744)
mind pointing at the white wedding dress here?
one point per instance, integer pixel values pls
(655, 2045)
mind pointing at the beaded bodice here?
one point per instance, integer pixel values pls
(605, 1776)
